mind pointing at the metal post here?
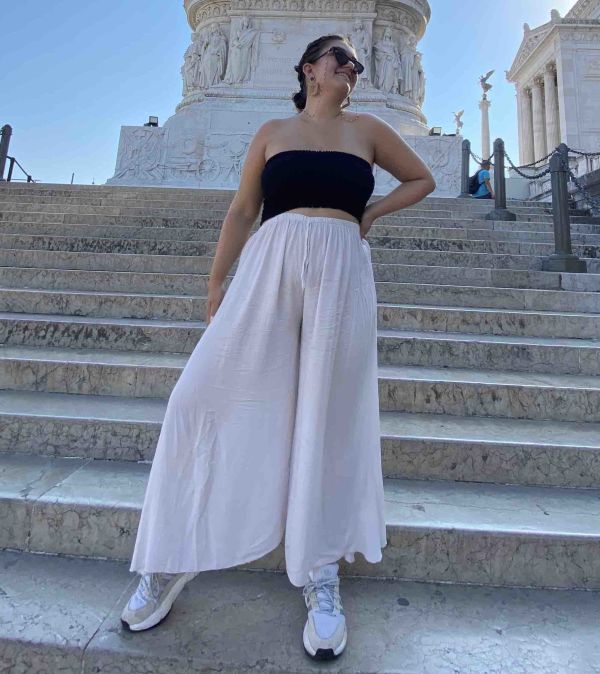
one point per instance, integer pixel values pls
(5, 134)
(464, 170)
(563, 258)
(11, 166)
(500, 211)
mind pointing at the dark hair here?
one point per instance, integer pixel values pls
(311, 52)
(486, 163)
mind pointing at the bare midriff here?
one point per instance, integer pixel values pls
(325, 213)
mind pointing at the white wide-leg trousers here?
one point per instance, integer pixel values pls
(273, 425)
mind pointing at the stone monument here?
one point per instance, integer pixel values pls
(238, 72)
(484, 106)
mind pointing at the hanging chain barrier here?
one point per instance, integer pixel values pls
(517, 169)
(584, 154)
(594, 202)
(563, 259)
(479, 160)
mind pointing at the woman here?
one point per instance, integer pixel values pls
(273, 425)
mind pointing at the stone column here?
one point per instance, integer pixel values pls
(520, 122)
(484, 106)
(551, 100)
(527, 116)
(539, 132)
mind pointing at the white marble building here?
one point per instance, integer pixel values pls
(556, 73)
(238, 71)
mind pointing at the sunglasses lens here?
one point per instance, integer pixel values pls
(343, 58)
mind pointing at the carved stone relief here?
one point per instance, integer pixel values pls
(388, 64)
(360, 37)
(243, 53)
(140, 153)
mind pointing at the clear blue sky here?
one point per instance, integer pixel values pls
(73, 72)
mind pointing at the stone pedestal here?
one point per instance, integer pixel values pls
(238, 72)
(169, 156)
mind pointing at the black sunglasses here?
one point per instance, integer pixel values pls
(342, 58)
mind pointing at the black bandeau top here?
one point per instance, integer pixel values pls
(318, 179)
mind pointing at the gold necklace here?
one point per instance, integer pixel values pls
(312, 116)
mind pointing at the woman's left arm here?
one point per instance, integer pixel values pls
(394, 155)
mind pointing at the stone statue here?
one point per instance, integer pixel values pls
(190, 68)
(362, 43)
(242, 53)
(458, 121)
(388, 63)
(215, 55)
(483, 80)
(408, 58)
(418, 80)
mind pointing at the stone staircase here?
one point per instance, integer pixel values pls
(490, 435)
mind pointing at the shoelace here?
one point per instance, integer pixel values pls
(326, 594)
(151, 584)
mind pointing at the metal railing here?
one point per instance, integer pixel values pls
(563, 259)
(5, 135)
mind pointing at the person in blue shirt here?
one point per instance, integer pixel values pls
(485, 190)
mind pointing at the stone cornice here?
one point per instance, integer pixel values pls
(531, 41)
(414, 12)
(584, 9)
(535, 39)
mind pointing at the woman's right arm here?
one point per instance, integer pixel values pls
(241, 215)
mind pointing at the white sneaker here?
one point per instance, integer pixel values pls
(153, 599)
(325, 634)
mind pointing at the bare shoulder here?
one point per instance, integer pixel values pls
(391, 151)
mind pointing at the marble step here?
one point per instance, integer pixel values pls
(173, 280)
(418, 446)
(485, 277)
(152, 246)
(67, 259)
(100, 304)
(210, 230)
(175, 247)
(213, 210)
(61, 619)
(490, 352)
(402, 388)
(490, 297)
(437, 531)
(36, 235)
(67, 305)
(185, 307)
(484, 321)
(195, 197)
(166, 198)
(162, 210)
(159, 193)
(396, 347)
(189, 241)
(504, 394)
(197, 217)
(21, 268)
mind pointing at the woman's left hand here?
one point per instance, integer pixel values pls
(365, 224)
